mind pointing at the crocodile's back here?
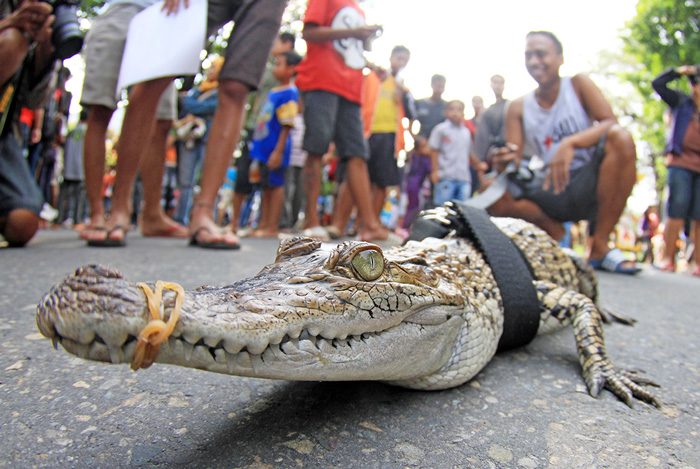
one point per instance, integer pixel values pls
(549, 262)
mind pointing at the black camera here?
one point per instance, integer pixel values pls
(67, 37)
(497, 141)
(693, 79)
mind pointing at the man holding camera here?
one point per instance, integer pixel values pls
(27, 67)
(589, 170)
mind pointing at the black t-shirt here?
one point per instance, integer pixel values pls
(430, 113)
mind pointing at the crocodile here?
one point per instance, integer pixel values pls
(426, 315)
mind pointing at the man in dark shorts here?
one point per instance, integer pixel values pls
(256, 24)
(589, 170)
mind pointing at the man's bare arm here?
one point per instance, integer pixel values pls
(312, 32)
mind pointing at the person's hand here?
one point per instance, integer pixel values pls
(275, 160)
(35, 136)
(172, 6)
(365, 32)
(502, 156)
(687, 70)
(33, 18)
(558, 174)
(434, 176)
(481, 169)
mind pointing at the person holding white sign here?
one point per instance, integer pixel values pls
(103, 57)
(257, 23)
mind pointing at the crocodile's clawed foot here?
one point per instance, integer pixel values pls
(626, 385)
(609, 316)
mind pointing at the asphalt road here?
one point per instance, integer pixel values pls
(527, 409)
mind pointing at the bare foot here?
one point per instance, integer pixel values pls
(379, 233)
(264, 234)
(163, 227)
(95, 228)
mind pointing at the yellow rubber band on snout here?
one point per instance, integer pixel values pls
(156, 330)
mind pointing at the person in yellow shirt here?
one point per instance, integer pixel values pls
(383, 113)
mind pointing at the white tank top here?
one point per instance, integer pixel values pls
(546, 128)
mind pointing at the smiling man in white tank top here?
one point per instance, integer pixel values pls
(589, 159)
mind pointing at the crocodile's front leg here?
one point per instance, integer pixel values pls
(561, 306)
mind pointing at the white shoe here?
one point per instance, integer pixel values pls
(48, 213)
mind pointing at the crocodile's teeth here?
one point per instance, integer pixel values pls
(256, 362)
(172, 343)
(276, 352)
(55, 341)
(212, 341)
(230, 362)
(243, 360)
(115, 354)
(232, 347)
(189, 348)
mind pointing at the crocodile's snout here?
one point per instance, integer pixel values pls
(80, 311)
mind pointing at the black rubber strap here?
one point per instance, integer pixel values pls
(512, 272)
(521, 308)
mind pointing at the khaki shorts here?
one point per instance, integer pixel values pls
(104, 47)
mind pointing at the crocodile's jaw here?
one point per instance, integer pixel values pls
(96, 314)
(381, 356)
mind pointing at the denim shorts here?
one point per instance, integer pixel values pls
(446, 190)
(17, 186)
(683, 193)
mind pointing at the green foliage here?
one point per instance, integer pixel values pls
(663, 34)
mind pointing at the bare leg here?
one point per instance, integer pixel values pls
(154, 220)
(138, 126)
(378, 198)
(312, 181)
(529, 211)
(223, 138)
(273, 200)
(617, 176)
(343, 209)
(238, 199)
(671, 233)
(358, 183)
(94, 167)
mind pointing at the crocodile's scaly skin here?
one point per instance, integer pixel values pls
(427, 315)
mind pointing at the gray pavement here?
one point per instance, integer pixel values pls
(526, 409)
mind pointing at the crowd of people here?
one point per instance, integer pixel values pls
(294, 123)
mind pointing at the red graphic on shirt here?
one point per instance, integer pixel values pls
(548, 141)
(446, 140)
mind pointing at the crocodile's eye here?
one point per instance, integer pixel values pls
(368, 264)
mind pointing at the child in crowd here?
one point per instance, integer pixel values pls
(450, 155)
(271, 145)
(419, 170)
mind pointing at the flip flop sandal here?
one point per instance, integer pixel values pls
(109, 242)
(212, 244)
(612, 262)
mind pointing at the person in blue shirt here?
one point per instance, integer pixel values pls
(271, 145)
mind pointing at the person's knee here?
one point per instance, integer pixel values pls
(13, 50)
(619, 142)
(233, 91)
(20, 227)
